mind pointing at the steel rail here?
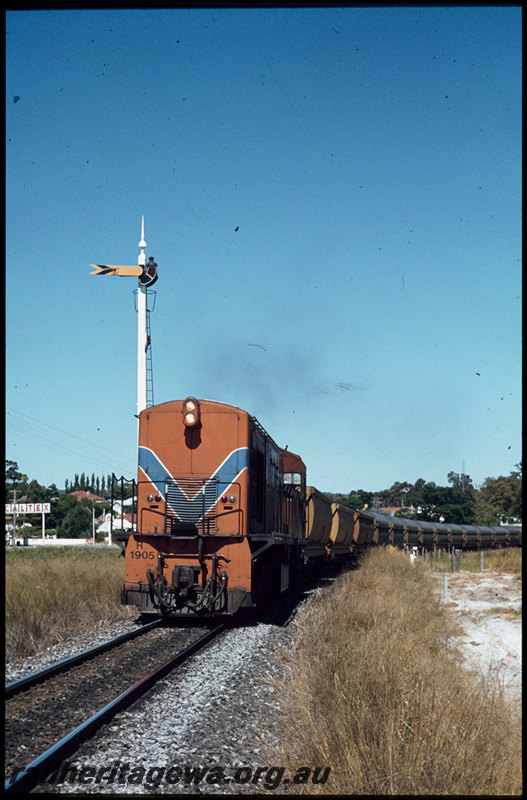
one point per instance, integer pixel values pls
(37, 770)
(37, 677)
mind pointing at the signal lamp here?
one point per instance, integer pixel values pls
(191, 413)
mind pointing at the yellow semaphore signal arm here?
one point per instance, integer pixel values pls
(114, 269)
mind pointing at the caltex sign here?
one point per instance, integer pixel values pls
(27, 508)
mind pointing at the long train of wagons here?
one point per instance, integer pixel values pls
(225, 520)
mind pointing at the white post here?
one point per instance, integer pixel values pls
(13, 532)
(43, 526)
(141, 331)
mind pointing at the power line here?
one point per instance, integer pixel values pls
(66, 449)
(43, 433)
(59, 430)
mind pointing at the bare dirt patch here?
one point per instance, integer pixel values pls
(488, 606)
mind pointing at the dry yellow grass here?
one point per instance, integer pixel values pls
(504, 612)
(377, 695)
(507, 559)
(52, 594)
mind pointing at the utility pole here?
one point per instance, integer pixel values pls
(13, 533)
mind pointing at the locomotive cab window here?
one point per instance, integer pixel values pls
(293, 478)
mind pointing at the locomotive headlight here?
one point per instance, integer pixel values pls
(191, 414)
(150, 498)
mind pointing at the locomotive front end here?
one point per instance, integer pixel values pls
(189, 554)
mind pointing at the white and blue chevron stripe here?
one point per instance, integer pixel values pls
(214, 486)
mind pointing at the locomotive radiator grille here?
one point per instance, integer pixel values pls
(191, 500)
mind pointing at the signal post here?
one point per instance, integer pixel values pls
(147, 276)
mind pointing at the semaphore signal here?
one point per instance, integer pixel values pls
(147, 276)
(114, 269)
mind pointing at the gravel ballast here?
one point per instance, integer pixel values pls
(39, 715)
(19, 668)
(220, 710)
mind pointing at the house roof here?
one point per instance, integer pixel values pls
(81, 494)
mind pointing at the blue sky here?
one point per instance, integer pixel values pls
(339, 186)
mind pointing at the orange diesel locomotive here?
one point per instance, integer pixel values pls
(218, 529)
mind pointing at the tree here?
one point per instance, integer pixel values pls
(398, 494)
(60, 509)
(77, 522)
(504, 493)
(486, 514)
(358, 499)
(127, 490)
(380, 499)
(461, 482)
(451, 504)
(415, 494)
(13, 480)
(37, 493)
(66, 485)
(458, 513)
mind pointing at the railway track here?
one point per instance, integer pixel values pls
(50, 713)
(41, 675)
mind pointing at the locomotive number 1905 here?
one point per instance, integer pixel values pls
(142, 554)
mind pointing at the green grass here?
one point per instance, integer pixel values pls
(53, 594)
(374, 692)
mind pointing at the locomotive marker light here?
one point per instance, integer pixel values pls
(191, 413)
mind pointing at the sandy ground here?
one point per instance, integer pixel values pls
(488, 607)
